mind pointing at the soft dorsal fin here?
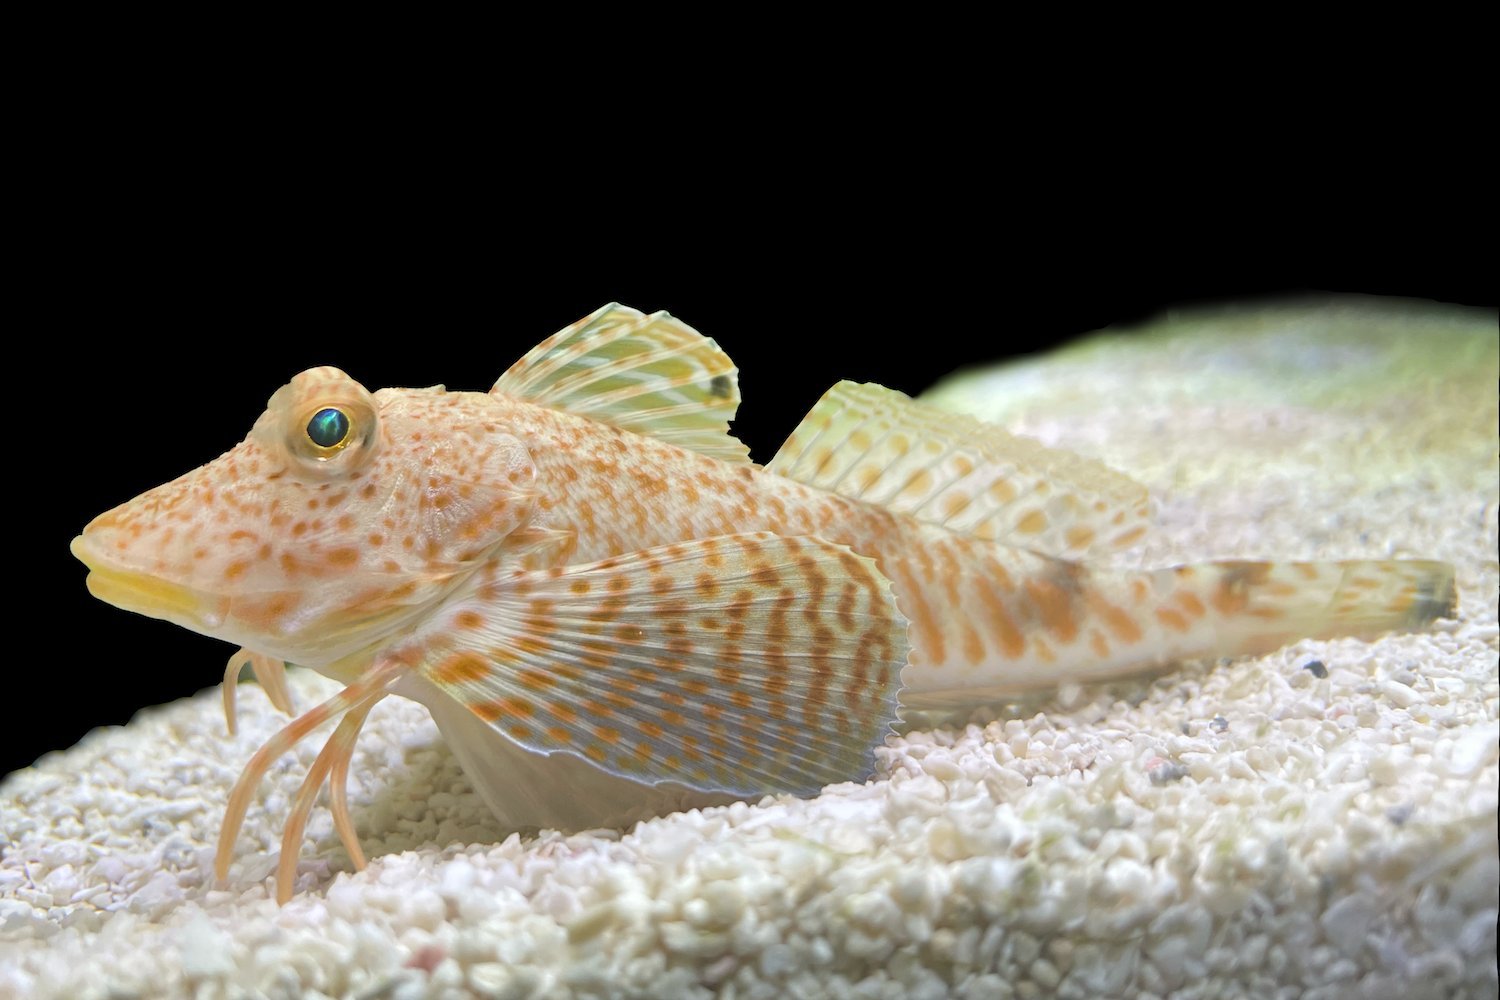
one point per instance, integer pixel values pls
(874, 444)
(653, 375)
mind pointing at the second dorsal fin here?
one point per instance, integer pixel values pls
(874, 444)
(650, 374)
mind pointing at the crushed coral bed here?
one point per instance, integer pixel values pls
(1318, 823)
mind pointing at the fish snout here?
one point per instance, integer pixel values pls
(114, 581)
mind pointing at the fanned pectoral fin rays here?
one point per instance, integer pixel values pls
(357, 699)
(744, 664)
(342, 741)
(335, 753)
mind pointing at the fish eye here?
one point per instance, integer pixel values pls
(328, 428)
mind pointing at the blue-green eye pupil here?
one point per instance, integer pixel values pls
(328, 428)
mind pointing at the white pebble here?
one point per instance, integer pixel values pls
(1044, 974)
(776, 961)
(206, 950)
(1400, 695)
(1347, 921)
(424, 908)
(1463, 757)
(684, 939)
(492, 980)
(457, 878)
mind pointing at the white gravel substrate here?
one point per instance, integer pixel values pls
(1246, 829)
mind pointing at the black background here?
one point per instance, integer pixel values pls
(178, 270)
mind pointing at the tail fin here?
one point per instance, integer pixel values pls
(1062, 622)
(1255, 607)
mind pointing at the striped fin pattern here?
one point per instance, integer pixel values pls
(745, 664)
(653, 375)
(1262, 606)
(877, 445)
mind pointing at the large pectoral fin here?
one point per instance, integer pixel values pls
(744, 664)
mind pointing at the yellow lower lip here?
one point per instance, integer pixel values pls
(140, 592)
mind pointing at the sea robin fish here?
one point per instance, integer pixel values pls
(610, 611)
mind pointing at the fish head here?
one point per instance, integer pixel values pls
(342, 516)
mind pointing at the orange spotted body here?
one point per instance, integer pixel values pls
(988, 619)
(602, 493)
(611, 612)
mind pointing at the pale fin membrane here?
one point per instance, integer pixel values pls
(877, 445)
(653, 375)
(526, 790)
(745, 664)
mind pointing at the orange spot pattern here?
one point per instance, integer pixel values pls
(803, 687)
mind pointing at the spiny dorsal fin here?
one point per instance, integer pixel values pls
(874, 444)
(653, 375)
(745, 664)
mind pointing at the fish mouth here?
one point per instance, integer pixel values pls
(148, 595)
